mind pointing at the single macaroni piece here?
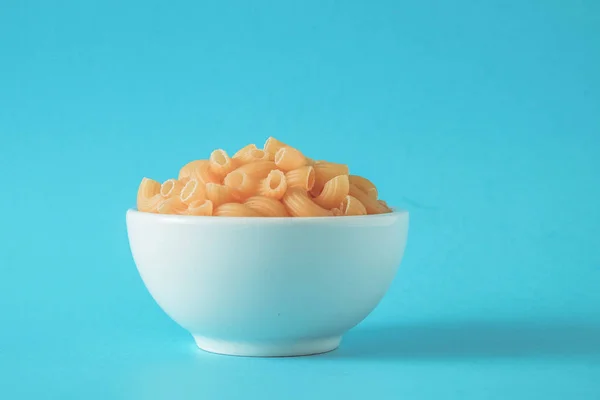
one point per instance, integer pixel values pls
(202, 173)
(193, 191)
(186, 170)
(288, 158)
(241, 183)
(273, 145)
(148, 189)
(220, 163)
(274, 185)
(266, 206)
(337, 212)
(335, 191)
(352, 206)
(365, 185)
(235, 210)
(299, 204)
(325, 171)
(219, 194)
(383, 203)
(258, 169)
(254, 155)
(303, 178)
(372, 205)
(244, 150)
(149, 204)
(200, 208)
(171, 187)
(172, 205)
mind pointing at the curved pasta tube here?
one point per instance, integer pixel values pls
(202, 173)
(372, 206)
(171, 187)
(172, 205)
(299, 204)
(352, 206)
(266, 206)
(200, 208)
(334, 192)
(241, 183)
(365, 185)
(273, 145)
(303, 178)
(383, 203)
(149, 204)
(337, 212)
(186, 170)
(274, 185)
(148, 189)
(258, 169)
(288, 158)
(220, 163)
(193, 191)
(219, 194)
(325, 171)
(244, 150)
(254, 155)
(235, 210)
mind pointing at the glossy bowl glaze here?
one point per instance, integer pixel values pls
(267, 286)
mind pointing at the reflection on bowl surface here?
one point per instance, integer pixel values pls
(267, 286)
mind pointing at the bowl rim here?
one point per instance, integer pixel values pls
(192, 219)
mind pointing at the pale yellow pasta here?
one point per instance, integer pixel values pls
(365, 185)
(193, 191)
(273, 145)
(148, 188)
(288, 158)
(186, 170)
(334, 192)
(235, 210)
(299, 204)
(149, 204)
(203, 174)
(275, 181)
(303, 178)
(200, 208)
(220, 163)
(266, 206)
(172, 205)
(274, 185)
(372, 205)
(258, 169)
(254, 155)
(171, 187)
(244, 150)
(325, 171)
(241, 183)
(383, 203)
(219, 194)
(352, 206)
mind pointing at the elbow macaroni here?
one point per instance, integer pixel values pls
(334, 192)
(275, 181)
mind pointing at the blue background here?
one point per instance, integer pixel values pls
(482, 118)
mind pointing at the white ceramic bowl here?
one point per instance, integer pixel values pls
(267, 286)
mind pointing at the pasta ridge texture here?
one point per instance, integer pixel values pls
(277, 180)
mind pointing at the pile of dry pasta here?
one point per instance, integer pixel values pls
(277, 181)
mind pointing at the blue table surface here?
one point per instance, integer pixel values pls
(482, 118)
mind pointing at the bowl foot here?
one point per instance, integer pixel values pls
(302, 347)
